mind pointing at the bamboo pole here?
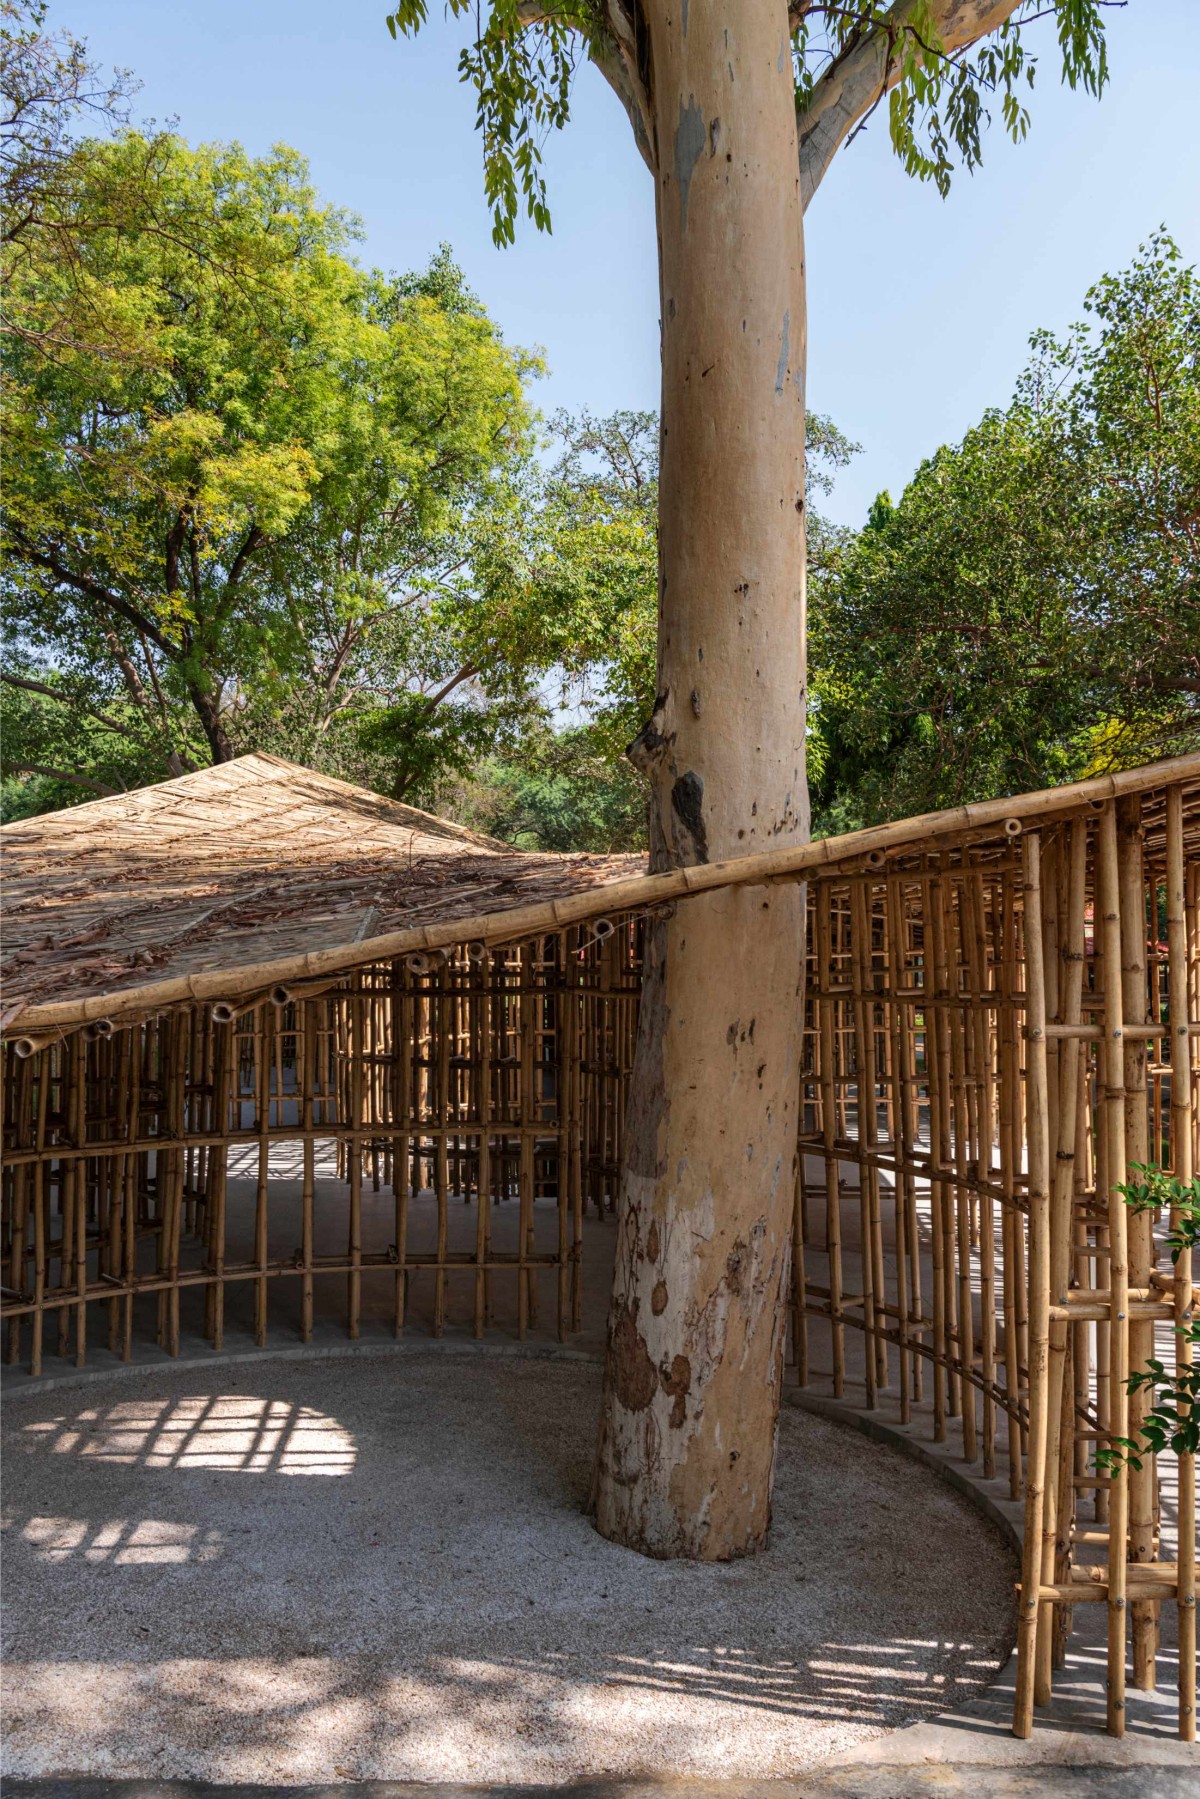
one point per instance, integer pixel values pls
(833, 1209)
(1069, 945)
(1131, 874)
(1109, 909)
(1039, 1289)
(1183, 1121)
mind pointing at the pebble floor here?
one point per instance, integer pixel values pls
(380, 1569)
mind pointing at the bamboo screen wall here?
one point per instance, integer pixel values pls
(999, 1020)
(994, 1034)
(445, 1117)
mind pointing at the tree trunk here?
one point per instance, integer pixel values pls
(208, 711)
(696, 1330)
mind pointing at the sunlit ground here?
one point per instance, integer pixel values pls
(433, 1604)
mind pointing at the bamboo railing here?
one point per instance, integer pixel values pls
(1001, 1016)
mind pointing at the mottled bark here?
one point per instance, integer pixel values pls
(694, 1359)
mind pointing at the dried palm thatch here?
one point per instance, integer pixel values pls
(1001, 1017)
(252, 861)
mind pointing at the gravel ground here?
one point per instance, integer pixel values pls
(379, 1569)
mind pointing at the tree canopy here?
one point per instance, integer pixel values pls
(253, 490)
(1029, 610)
(941, 66)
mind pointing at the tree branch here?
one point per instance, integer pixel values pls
(621, 61)
(93, 590)
(129, 674)
(434, 700)
(254, 537)
(866, 70)
(618, 60)
(67, 699)
(61, 774)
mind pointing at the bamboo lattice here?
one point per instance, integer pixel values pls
(476, 1082)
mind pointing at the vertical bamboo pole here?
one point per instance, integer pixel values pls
(354, 1149)
(128, 1165)
(939, 1131)
(1131, 874)
(960, 1249)
(484, 1182)
(1069, 940)
(562, 1054)
(402, 1156)
(41, 1214)
(77, 1131)
(902, 1132)
(20, 1087)
(577, 1002)
(260, 1038)
(526, 1276)
(971, 900)
(306, 1061)
(1037, 1109)
(868, 1174)
(1010, 1218)
(66, 1201)
(121, 1058)
(1109, 897)
(826, 1019)
(226, 1099)
(1182, 1122)
(176, 1120)
(807, 1065)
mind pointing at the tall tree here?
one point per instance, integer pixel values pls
(738, 112)
(144, 486)
(245, 477)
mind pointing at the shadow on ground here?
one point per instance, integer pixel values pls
(380, 1568)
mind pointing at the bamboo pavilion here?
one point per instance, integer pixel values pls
(278, 1050)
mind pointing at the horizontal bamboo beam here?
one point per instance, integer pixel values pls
(454, 1261)
(368, 1134)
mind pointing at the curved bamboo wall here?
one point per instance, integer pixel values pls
(994, 1031)
(993, 1036)
(463, 1088)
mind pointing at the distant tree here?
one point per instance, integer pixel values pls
(253, 523)
(49, 87)
(1030, 609)
(591, 583)
(556, 790)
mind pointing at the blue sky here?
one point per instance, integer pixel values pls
(920, 309)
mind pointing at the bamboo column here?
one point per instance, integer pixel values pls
(1109, 908)
(1182, 1145)
(1131, 875)
(1068, 940)
(1038, 1139)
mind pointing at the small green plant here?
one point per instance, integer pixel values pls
(1173, 1421)
(1157, 1189)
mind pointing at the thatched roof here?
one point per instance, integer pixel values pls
(251, 861)
(219, 884)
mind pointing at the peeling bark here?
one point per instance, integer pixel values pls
(687, 1442)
